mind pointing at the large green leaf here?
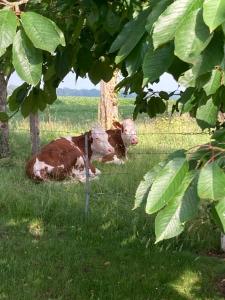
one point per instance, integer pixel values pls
(129, 36)
(192, 37)
(187, 79)
(135, 58)
(27, 60)
(214, 83)
(187, 100)
(157, 62)
(219, 135)
(165, 186)
(170, 220)
(214, 13)
(170, 20)
(155, 13)
(211, 182)
(18, 96)
(43, 32)
(101, 70)
(155, 106)
(207, 113)
(8, 24)
(218, 214)
(207, 62)
(145, 185)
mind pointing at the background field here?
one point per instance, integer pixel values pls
(49, 251)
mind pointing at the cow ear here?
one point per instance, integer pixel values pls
(117, 125)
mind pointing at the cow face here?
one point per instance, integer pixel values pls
(100, 144)
(128, 132)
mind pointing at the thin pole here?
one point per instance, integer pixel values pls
(87, 183)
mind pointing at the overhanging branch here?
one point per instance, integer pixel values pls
(14, 5)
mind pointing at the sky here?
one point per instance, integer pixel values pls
(166, 83)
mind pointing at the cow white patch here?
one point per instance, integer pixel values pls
(68, 138)
(116, 161)
(129, 135)
(100, 145)
(41, 166)
(78, 171)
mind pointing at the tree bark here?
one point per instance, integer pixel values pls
(108, 104)
(34, 133)
(4, 127)
(222, 242)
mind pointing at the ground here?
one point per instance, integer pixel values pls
(49, 250)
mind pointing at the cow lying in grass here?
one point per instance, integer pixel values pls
(120, 138)
(64, 157)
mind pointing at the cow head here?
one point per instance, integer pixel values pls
(128, 132)
(100, 144)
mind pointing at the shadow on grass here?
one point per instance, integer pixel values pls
(97, 259)
(49, 251)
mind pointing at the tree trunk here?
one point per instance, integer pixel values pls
(34, 133)
(222, 242)
(4, 127)
(47, 114)
(108, 104)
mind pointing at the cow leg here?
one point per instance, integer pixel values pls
(59, 173)
(41, 170)
(112, 159)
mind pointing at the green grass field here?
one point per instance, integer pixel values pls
(48, 250)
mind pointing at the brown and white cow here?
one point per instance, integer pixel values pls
(64, 157)
(121, 138)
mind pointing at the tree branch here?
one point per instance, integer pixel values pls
(14, 5)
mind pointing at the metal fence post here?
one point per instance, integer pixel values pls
(87, 182)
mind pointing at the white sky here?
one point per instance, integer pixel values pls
(167, 83)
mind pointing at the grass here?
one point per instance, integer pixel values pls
(49, 251)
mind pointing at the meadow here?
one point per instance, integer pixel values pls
(49, 250)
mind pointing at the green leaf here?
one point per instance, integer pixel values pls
(3, 117)
(157, 62)
(170, 20)
(192, 37)
(101, 70)
(218, 213)
(219, 135)
(112, 22)
(214, 13)
(135, 58)
(8, 25)
(50, 92)
(214, 83)
(155, 106)
(164, 95)
(165, 185)
(18, 96)
(207, 62)
(145, 185)
(43, 33)
(155, 13)
(170, 220)
(135, 29)
(187, 79)
(211, 182)
(27, 60)
(29, 105)
(207, 113)
(187, 100)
